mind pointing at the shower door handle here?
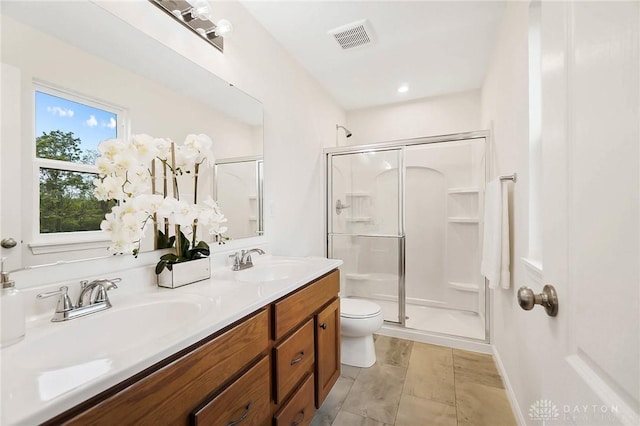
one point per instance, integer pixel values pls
(340, 207)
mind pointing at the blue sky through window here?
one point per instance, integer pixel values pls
(92, 125)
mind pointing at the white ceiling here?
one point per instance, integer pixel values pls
(436, 47)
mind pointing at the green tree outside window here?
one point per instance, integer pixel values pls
(67, 203)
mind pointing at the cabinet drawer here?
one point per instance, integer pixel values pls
(288, 312)
(293, 358)
(169, 395)
(299, 410)
(246, 401)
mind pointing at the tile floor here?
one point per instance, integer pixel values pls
(416, 384)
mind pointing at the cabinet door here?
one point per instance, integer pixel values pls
(327, 323)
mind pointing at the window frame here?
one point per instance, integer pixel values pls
(59, 242)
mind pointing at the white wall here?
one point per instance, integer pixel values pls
(505, 113)
(440, 115)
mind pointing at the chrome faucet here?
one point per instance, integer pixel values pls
(97, 291)
(242, 259)
(93, 298)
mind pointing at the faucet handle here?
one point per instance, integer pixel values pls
(236, 260)
(64, 302)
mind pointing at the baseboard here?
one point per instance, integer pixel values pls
(507, 387)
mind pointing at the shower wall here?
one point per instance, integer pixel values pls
(238, 196)
(413, 210)
(444, 187)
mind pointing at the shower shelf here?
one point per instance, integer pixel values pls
(358, 219)
(463, 220)
(469, 287)
(357, 194)
(463, 190)
(375, 276)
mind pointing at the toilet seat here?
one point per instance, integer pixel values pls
(358, 308)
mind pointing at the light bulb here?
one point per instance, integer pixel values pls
(224, 28)
(178, 14)
(403, 88)
(201, 10)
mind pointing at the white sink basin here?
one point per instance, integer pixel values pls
(97, 336)
(271, 271)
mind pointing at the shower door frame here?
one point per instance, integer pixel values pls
(402, 144)
(400, 235)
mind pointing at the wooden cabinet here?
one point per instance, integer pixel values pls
(310, 314)
(275, 366)
(169, 394)
(327, 336)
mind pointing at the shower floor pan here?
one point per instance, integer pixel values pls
(438, 320)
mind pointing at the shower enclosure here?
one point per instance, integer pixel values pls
(405, 217)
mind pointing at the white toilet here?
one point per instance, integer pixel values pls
(359, 320)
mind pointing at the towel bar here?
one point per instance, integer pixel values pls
(513, 177)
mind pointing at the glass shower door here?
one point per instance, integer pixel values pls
(365, 227)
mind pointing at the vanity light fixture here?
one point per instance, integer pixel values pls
(197, 16)
(403, 88)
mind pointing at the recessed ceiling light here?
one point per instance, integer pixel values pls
(403, 88)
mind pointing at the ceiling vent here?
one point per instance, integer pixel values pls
(353, 35)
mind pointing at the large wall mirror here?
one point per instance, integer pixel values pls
(76, 65)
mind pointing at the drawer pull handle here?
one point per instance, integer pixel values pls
(298, 358)
(323, 326)
(299, 418)
(242, 418)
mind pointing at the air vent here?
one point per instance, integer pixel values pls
(353, 35)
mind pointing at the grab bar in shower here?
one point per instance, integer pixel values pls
(513, 177)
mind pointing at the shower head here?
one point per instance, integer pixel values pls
(347, 131)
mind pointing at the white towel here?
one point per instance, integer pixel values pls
(495, 246)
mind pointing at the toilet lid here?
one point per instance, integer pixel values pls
(358, 308)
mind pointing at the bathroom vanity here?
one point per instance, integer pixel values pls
(273, 362)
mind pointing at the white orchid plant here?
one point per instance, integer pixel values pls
(129, 171)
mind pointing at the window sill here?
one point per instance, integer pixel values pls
(46, 247)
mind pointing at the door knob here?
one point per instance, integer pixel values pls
(8, 243)
(527, 299)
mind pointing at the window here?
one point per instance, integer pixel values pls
(68, 129)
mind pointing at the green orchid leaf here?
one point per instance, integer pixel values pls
(169, 258)
(164, 242)
(160, 267)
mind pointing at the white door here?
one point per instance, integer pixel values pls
(590, 367)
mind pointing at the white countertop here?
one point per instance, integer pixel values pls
(40, 381)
